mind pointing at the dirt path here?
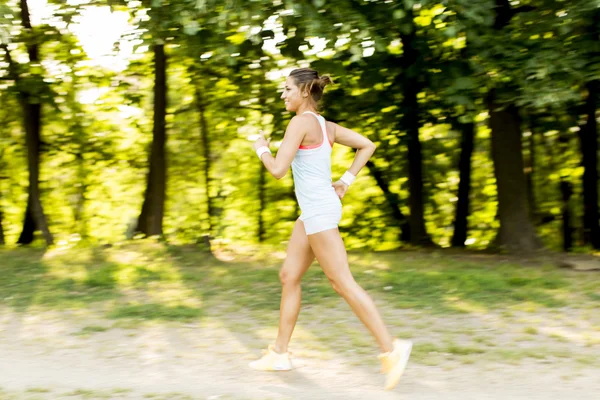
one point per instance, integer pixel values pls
(48, 356)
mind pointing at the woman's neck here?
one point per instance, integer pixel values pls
(304, 108)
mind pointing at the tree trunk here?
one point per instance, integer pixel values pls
(565, 186)
(81, 140)
(464, 186)
(588, 139)
(205, 139)
(2, 240)
(262, 174)
(566, 190)
(34, 213)
(517, 232)
(32, 113)
(393, 201)
(27, 233)
(529, 171)
(262, 202)
(411, 123)
(151, 218)
(79, 213)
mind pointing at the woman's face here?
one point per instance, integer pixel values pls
(292, 96)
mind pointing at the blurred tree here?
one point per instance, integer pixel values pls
(2, 239)
(517, 231)
(588, 133)
(467, 131)
(3, 165)
(588, 137)
(30, 86)
(150, 221)
(410, 75)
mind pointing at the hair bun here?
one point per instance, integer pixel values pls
(324, 80)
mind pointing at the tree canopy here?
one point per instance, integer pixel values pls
(483, 112)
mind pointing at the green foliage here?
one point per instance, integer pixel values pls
(230, 58)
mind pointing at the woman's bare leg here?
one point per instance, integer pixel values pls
(297, 261)
(331, 254)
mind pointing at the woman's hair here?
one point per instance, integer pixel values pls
(309, 80)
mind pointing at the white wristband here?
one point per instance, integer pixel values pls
(347, 178)
(262, 150)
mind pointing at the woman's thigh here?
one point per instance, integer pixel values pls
(299, 255)
(330, 252)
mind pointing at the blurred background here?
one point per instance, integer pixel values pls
(128, 120)
(125, 118)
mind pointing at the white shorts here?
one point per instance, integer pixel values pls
(320, 223)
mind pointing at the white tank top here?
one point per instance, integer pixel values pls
(311, 169)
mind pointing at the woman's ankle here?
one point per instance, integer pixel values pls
(280, 349)
(387, 346)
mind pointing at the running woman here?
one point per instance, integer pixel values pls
(306, 147)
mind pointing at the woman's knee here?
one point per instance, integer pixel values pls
(343, 285)
(288, 276)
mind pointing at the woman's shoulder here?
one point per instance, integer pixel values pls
(304, 121)
(304, 117)
(301, 119)
(298, 124)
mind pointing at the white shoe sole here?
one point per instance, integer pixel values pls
(393, 377)
(274, 369)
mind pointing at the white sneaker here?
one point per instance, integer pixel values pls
(393, 363)
(272, 361)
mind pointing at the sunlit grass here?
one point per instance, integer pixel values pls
(465, 305)
(148, 280)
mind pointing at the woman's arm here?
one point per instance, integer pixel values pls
(365, 147)
(279, 165)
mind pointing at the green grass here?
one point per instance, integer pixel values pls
(38, 393)
(530, 330)
(38, 390)
(88, 330)
(594, 296)
(168, 396)
(89, 394)
(98, 394)
(156, 311)
(147, 280)
(487, 341)
(462, 350)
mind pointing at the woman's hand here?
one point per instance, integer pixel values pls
(340, 188)
(261, 141)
